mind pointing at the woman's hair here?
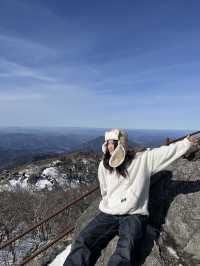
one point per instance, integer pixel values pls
(121, 169)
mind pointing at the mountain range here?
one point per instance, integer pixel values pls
(21, 145)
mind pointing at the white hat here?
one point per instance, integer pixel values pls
(119, 153)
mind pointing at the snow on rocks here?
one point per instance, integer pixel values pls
(19, 182)
(60, 258)
(172, 252)
(84, 161)
(43, 183)
(50, 172)
(69, 172)
(56, 162)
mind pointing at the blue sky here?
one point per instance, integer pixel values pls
(131, 64)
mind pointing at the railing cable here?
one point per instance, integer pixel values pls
(169, 141)
(48, 218)
(31, 257)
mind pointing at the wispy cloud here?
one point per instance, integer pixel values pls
(21, 48)
(97, 65)
(19, 97)
(10, 69)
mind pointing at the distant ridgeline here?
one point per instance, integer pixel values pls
(18, 146)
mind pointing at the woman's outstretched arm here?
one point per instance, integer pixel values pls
(159, 158)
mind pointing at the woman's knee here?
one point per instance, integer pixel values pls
(133, 227)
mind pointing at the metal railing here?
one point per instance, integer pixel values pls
(48, 218)
(35, 254)
(65, 233)
(169, 141)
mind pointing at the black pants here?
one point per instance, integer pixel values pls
(97, 234)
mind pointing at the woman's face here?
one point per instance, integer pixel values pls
(111, 146)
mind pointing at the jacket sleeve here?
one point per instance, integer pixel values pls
(159, 158)
(101, 178)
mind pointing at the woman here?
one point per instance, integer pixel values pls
(124, 179)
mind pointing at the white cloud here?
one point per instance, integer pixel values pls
(11, 69)
(6, 97)
(25, 45)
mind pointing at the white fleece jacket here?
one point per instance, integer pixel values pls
(131, 194)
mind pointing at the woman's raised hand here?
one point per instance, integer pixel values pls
(194, 139)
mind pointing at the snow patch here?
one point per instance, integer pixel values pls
(28, 171)
(60, 258)
(41, 184)
(51, 171)
(172, 252)
(84, 161)
(54, 163)
(19, 182)
(74, 184)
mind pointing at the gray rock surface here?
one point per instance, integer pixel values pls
(173, 232)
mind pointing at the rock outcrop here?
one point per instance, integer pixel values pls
(173, 232)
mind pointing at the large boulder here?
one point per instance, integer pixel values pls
(173, 232)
